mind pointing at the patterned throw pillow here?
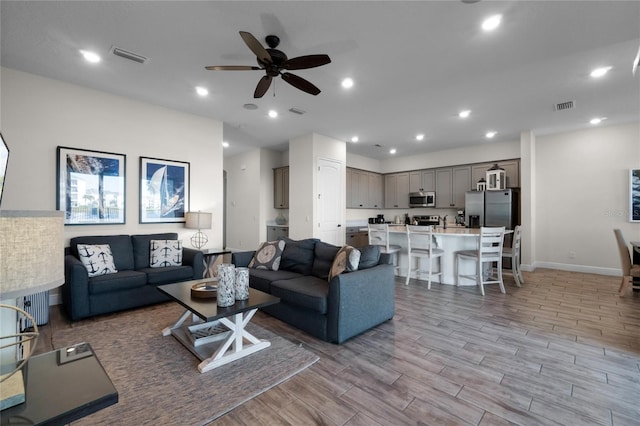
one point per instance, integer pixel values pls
(268, 255)
(98, 259)
(163, 253)
(346, 259)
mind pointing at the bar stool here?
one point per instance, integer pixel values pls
(513, 253)
(379, 236)
(420, 245)
(489, 251)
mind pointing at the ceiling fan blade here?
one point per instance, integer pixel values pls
(232, 68)
(304, 62)
(300, 83)
(262, 87)
(256, 47)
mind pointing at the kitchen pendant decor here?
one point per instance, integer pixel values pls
(242, 283)
(226, 284)
(496, 178)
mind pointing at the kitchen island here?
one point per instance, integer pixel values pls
(450, 239)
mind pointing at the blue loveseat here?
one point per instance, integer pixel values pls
(335, 310)
(135, 282)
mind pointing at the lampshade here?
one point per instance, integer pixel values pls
(198, 220)
(31, 252)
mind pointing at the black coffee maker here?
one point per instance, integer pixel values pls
(380, 218)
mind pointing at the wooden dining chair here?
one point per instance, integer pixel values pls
(629, 270)
(489, 251)
(379, 236)
(513, 253)
(420, 245)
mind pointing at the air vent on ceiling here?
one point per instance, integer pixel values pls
(296, 111)
(565, 105)
(128, 55)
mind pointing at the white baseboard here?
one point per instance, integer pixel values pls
(573, 268)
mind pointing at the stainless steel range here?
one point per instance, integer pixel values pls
(426, 220)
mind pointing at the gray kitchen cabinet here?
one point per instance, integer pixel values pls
(451, 185)
(275, 232)
(376, 191)
(281, 188)
(364, 189)
(511, 169)
(422, 180)
(396, 191)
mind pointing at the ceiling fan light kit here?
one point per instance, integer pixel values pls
(273, 62)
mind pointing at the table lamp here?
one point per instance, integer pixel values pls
(31, 261)
(198, 220)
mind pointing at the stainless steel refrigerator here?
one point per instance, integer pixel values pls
(502, 208)
(474, 209)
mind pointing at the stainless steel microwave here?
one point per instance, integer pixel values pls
(422, 199)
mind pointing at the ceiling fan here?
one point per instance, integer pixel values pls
(273, 62)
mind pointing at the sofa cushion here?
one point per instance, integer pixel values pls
(306, 292)
(297, 256)
(324, 254)
(369, 257)
(346, 259)
(121, 248)
(141, 245)
(163, 253)
(123, 280)
(169, 274)
(261, 279)
(268, 255)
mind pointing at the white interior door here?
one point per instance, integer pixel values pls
(330, 196)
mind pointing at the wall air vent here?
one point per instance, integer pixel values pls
(565, 105)
(296, 111)
(129, 55)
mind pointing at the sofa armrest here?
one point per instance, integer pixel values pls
(195, 259)
(360, 300)
(75, 291)
(242, 258)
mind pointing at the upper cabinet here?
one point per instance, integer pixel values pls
(281, 188)
(364, 189)
(422, 181)
(451, 185)
(511, 169)
(396, 191)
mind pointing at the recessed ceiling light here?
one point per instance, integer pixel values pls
(347, 83)
(464, 114)
(597, 120)
(202, 91)
(600, 72)
(92, 57)
(491, 134)
(355, 139)
(491, 23)
(225, 144)
(273, 113)
(420, 137)
(392, 151)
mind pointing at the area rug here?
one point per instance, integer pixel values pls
(157, 378)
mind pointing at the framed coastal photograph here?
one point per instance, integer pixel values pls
(164, 190)
(634, 195)
(91, 186)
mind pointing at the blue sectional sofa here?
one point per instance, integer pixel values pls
(135, 282)
(335, 310)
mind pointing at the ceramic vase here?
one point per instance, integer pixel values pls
(226, 285)
(242, 283)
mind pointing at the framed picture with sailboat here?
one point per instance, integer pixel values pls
(164, 190)
(91, 186)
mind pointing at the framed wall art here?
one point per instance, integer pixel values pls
(164, 190)
(91, 186)
(634, 195)
(4, 160)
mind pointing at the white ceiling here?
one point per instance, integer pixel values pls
(415, 65)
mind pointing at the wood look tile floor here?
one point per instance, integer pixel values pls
(562, 349)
